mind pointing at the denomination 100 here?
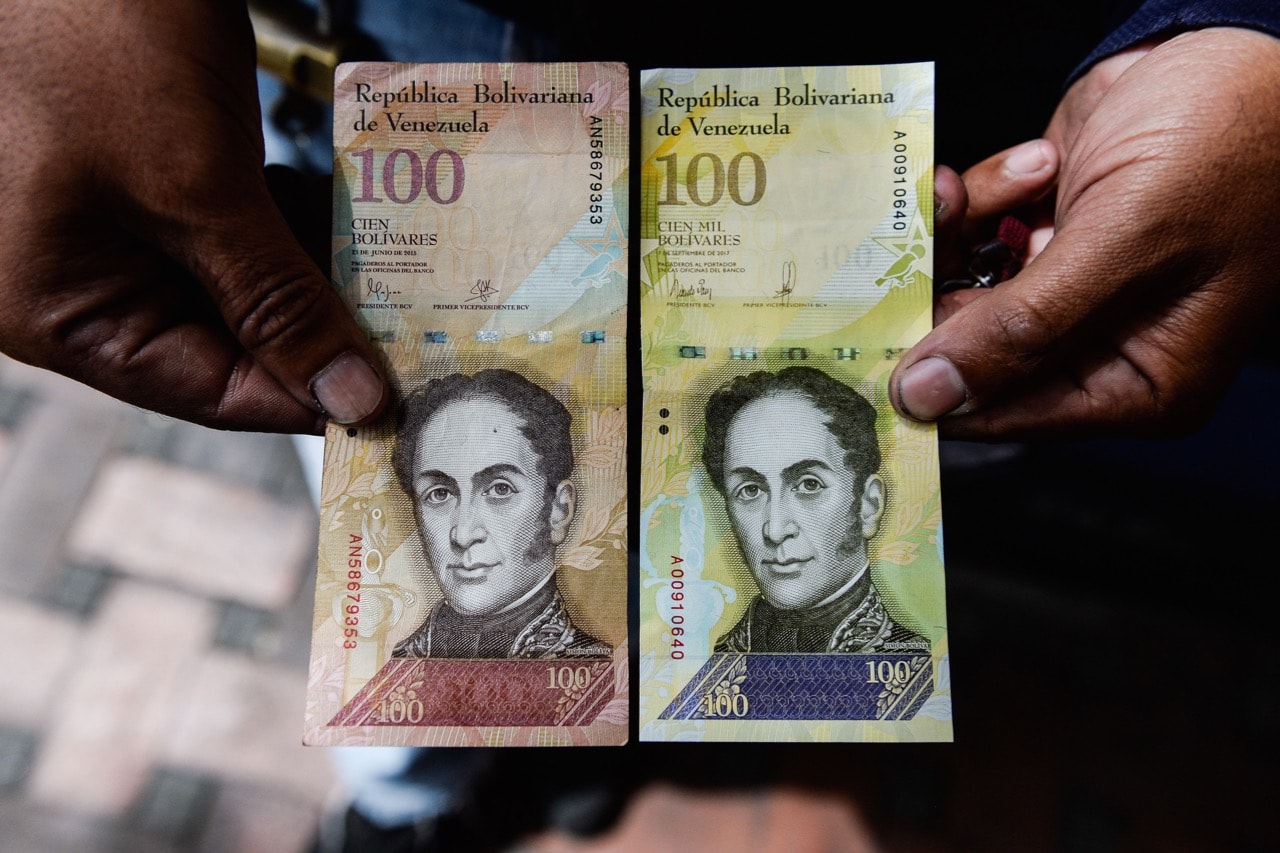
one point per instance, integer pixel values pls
(401, 711)
(420, 175)
(888, 672)
(568, 678)
(725, 705)
(718, 182)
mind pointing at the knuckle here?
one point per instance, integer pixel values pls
(276, 312)
(1024, 332)
(65, 339)
(1159, 399)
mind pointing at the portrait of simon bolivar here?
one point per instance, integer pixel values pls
(486, 460)
(795, 456)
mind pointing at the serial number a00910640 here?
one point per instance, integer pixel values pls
(675, 593)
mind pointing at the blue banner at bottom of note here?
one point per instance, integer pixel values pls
(805, 687)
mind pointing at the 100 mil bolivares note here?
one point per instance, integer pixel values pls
(791, 581)
(472, 585)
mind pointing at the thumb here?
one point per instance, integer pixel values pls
(993, 344)
(284, 313)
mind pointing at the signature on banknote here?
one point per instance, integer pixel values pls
(788, 282)
(682, 291)
(380, 291)
(482, 290)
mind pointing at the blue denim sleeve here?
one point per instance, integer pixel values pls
(1164, 18)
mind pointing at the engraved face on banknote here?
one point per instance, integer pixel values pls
(486, 460)
(795, 456)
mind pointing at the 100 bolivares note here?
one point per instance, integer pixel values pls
(472, 585)
(791, 579)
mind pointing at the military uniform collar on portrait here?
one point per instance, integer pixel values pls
(855, 621)
(537, 628)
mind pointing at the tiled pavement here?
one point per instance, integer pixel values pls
(155, 608)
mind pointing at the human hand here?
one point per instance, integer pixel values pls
(143, 253)
(970, 207)
(1158, 265)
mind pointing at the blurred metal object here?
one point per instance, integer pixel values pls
(293, 47)
(995, 260)
(987, 267)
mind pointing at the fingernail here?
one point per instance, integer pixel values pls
(931, 388)
(1028, 158)
(348, 389)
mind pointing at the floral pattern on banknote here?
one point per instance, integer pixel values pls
(896, 686)
(603, 532)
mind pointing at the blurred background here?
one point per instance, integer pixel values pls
(1115, 678)
(155, 597)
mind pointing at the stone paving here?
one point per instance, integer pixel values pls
(155, 601)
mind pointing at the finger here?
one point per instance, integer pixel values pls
(1016, 177)
(1148, 377)
(992, 344)
(144, 332)
(1108, 390)
(284, 313)
(1120, 342)
(951, 200)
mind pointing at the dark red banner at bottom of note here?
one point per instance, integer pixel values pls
(421, 692)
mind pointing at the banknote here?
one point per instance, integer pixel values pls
(472, 571)
(790, 555)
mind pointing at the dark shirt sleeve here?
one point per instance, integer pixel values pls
(1165, 18)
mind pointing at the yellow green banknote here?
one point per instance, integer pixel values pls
(790, 577)
(472, 585)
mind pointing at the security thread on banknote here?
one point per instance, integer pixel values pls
(472, 585)
(791, 582)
